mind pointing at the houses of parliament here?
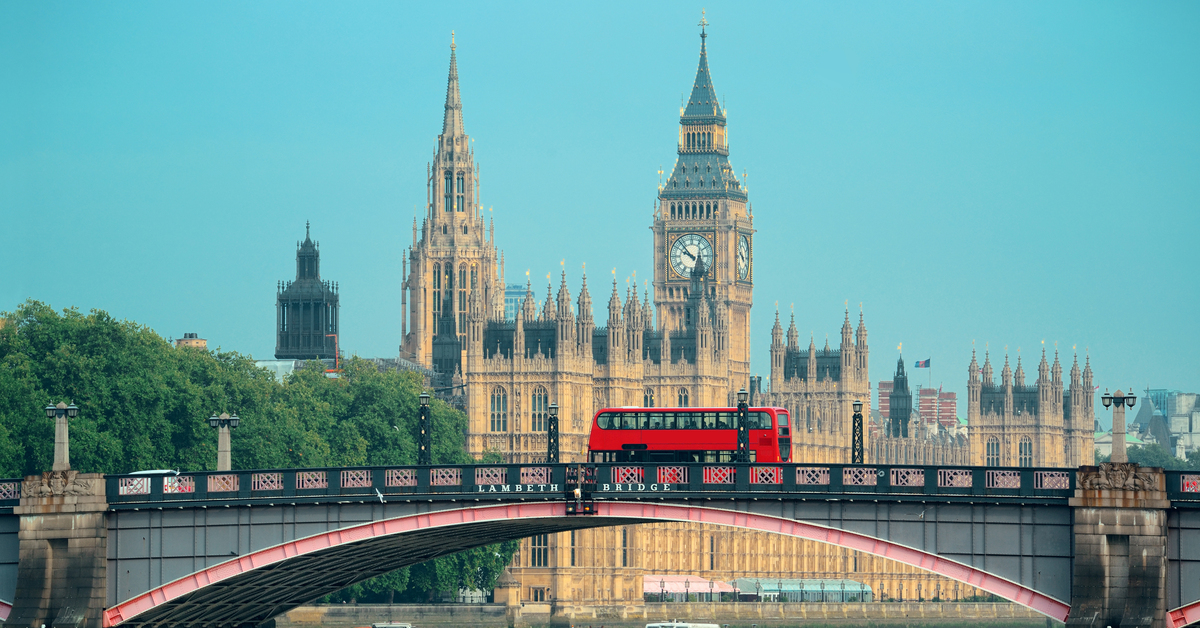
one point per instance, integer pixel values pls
(683, 342)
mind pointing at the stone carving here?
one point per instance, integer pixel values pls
(56, 483)
(1126, 476)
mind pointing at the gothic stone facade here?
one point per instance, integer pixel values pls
(1040, 425)
(698, 354)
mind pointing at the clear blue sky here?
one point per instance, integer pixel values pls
(998, 172)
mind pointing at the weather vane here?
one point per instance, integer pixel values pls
(703, 22)
(452, 45)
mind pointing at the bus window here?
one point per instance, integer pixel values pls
(724, 421)
(669, 421)
(604, 421)
(687, 421)
(783, 419)
(656, 420)
(708, 420)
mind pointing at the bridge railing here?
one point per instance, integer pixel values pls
(10, 492)
(613, 480)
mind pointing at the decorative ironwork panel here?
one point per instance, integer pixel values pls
(766, 475)
(908, 477)
(223, 483)
(954, 478)
(175, 484)
(1060, 480)
(628, 475)
(356, 478)
(268, 481)
(311, 479)
(1189, 483)
(1003, 479)
(134, 486)
(859, 476)
(719, 475)
(400, 477)
(535, 475)
(812, 475)
(491, 475)
(442, 476)
(10, 490)
(673, 475)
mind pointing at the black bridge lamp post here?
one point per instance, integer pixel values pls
(62, 445)
(662, 590)
(552, 435)
(424, 441)
(1118, 401)
(223, 424)
(743, 444)
(856, 454)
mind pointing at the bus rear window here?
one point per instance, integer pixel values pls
(783, 419)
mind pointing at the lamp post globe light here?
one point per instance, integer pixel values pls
(552, 435)
(743, 442)
(856, 445)
(223, 423)
(62, 446)
(1118, 401)
(424, 434)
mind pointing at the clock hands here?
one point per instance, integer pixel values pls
(689, 254)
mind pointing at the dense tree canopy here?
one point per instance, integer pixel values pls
(144, 404)
(1154, 455)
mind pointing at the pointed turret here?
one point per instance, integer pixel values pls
(529, 304)
(812, 360)
(793, 336)
(703, 103)
(987, 368)
(585, 325)
(548, 307)
(452, 124)
(861, 349)
(1019, 376)
(1006, 374)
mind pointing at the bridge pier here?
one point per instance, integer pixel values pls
(63, 545)
(1120, 568)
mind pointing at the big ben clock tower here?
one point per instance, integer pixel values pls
(703, 216)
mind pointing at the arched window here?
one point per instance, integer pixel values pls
(993, 452)
(683, 397)
(1026, 452)
(538, 405)
(499, 413)
(437, 295)
(474, 276)
(648, 398)
(447, 192)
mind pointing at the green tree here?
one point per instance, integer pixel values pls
(143, 405)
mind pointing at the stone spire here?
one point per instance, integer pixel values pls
(777, 331)
(1006, 373)
(793, 336)
(987, 368)
(973, 370)
(452, 124)
(548, 306)
(1019, 376)
(703, 102)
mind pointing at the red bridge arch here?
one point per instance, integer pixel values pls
(177, 592)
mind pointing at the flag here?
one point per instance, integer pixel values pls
(922, 364)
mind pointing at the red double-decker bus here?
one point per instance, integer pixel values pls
(687, 435)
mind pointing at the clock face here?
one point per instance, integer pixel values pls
(743, 257)
(686, 250)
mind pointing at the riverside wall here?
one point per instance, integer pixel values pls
(736, 615)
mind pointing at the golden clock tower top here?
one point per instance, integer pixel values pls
(703, 221)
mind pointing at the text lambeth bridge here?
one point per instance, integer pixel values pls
(1116, 545)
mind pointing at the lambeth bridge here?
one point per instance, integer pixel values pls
(1115, 545)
